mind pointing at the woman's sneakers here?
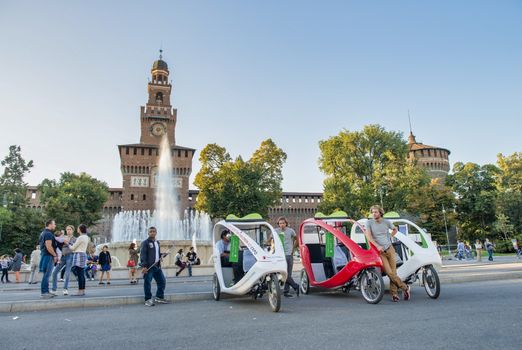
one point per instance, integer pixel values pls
(395, 298)
(407, 293)
(65, 292)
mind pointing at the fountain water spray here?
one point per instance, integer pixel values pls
(133, 225)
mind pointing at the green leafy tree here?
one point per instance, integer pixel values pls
(74, 199)
(12, 186)
(20, 226)
(236, 186)
(367, 167)
(509, 184)
(503, 226)
(476, 191)
(426, 203)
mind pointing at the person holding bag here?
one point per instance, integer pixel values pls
(132, 263)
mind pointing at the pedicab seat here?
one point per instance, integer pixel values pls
(398, 246)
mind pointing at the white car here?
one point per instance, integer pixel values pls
(417, 255)
(258, 264)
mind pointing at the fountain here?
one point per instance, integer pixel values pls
(175, 231)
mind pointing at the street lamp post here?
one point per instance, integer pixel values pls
(446, 226)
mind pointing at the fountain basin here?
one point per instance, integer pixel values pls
(120, 250)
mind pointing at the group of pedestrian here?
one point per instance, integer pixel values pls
(58, 251)
(465, 251)
(8, 263)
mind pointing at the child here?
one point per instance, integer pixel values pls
(90, 267)
(4, 264)
(105, 261)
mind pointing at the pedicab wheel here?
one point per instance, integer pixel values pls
(431, 281)
(216, 289)
(274, 293)
(304, 283)
(372, 286)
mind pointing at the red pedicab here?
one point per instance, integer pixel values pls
(332, 260)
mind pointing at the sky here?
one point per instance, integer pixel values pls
(73, 75)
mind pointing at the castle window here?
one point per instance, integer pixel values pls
(186, 154)
(132, 197)
(33, 195)
(143, 151)
(144, 197)
(135, 150)
(150, 151)
(126, 150)
(159, 97)
(179, 153)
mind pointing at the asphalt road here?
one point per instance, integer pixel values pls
(479, 315)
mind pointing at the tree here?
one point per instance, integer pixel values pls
(12, 185)
(74, 199)
(20, 226)
(366, 167)
(503, 226)
(476, 193)
(236, 186)
(427, 204)
(509, 185)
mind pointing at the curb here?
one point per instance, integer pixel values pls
(44, 305)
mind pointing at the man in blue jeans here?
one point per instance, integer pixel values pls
(48, 257)
(150, 260)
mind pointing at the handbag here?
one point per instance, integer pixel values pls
(131, 263)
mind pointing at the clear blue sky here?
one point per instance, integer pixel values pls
(73, 75)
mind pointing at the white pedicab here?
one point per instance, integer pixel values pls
(417, 255)
(251, 267)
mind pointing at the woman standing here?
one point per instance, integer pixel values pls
(478, 248)
(68, 257)
(17, 264)
(105, 261)
(79, 249)
(133, 263)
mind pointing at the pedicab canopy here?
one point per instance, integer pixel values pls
(247, 218)
(234, 240)
(329, 237)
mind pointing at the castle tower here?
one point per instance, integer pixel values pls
(434, 159)
(139, 162)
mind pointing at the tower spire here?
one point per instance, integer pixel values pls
(411, 138)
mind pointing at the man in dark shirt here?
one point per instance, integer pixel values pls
(150, 260)
(48, 257)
